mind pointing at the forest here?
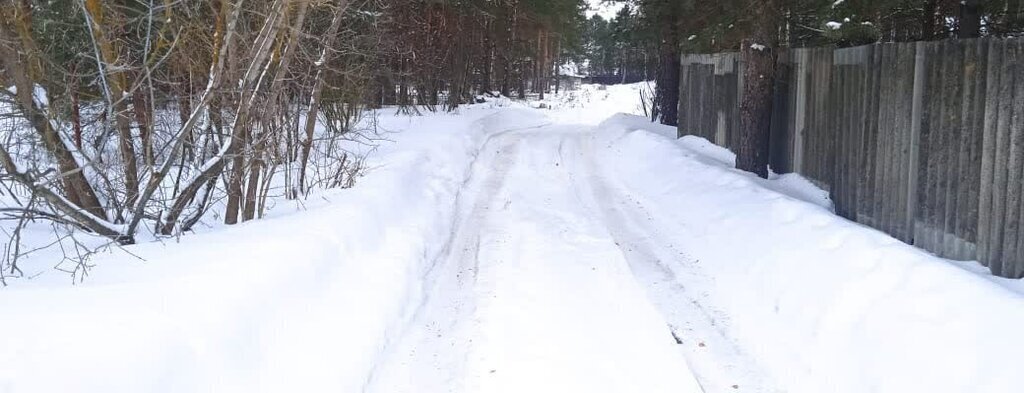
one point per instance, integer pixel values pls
(132, 114)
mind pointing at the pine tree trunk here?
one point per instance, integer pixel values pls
(758, 54)
(388, 88)
(970, 19)
(539, 66)
(668, 69)
(485, 82)
(403, 83)
(928, 20)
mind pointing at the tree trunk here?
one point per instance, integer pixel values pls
(140, 107)
(248, 83)
(667, 86)
(388, 85)
(249, 207)
(116, 83)
(487, 61)
(403, 83)
(76, 108)
(928, 20)
(234, 191)
(80, 216)
(246, 203)
(970, 19)
(316, 94)
(376, 99)
(541, 64)
(76, 187)
(184, 111)
(758, 53)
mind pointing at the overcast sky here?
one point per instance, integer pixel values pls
(606, 11)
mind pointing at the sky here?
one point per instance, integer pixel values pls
(606, 11)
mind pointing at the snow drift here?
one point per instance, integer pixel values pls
(304, 302)
(822, 303)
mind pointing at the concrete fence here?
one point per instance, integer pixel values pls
(924, 141)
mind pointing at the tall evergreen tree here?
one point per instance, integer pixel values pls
(758, 54)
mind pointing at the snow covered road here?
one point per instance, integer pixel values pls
(534, 293)
(510, 249)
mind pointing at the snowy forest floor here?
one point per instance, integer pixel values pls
(513, 249)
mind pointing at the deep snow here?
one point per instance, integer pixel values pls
(534, 295)
(301, 302)
(513, 249)
(820, 303)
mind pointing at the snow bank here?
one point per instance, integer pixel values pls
(824, 304)
(304, 302)
(704, 151)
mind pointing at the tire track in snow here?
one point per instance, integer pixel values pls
(533, 294)
(562, 312)
(431, 353)
(664, 270)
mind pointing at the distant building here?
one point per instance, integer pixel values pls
(569, 77)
